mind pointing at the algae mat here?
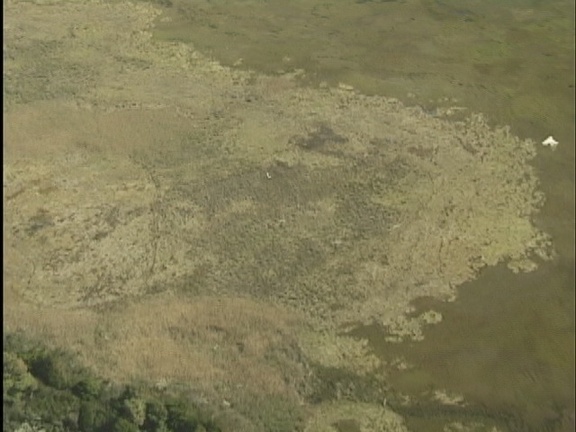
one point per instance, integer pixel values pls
(241, 220)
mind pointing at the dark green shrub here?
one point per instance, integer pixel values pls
(18, 382)
(135, 410)
(87, 388)
(91, 417)
(122, 425)
(181, 418)
(51, 390)
(51, 370)
(130, 406)
(51, 405)
(156, 416)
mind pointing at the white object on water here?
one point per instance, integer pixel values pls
(550, 141)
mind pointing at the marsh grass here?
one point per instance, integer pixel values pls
(202, 217)
(229, 349)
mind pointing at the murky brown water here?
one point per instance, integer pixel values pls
(506, 347)
(507, 343)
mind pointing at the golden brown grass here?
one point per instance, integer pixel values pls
(230, 343)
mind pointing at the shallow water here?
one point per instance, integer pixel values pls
(507, 347)
(507, 342)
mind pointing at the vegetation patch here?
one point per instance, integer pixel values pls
(49, 390)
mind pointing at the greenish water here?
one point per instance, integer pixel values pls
(507, 343)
